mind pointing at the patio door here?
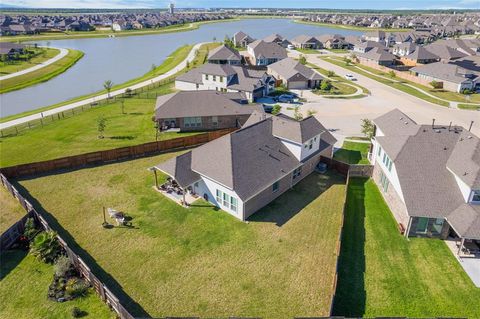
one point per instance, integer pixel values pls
(422, 224)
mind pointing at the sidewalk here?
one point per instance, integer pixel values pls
(61, 55)
(37, 116)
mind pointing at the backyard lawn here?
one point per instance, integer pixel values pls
(383, 274)
(24, 284)
(11, 210)
(353, 153)
(199, 261)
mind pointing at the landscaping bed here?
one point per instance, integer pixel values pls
(199, 261)
(381, 273)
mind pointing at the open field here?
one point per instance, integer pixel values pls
(15, 66)
(199, 261)
(107, 33)
(23, 291)
(11, 210)
(353, 153)
(41, 75)
(381, 273)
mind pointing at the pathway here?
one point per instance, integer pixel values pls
(62, 54)
(37, 116)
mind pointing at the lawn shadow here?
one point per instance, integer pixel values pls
(348, 156)
(9, 260)
(290, 203)
(122, 137)
(131, 305)
(350, 295)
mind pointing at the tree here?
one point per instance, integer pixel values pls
(297, 115)
(153, 67)
(392, 74)
(101, 125)
(128, 92)
(367, 128)
(187, 64)
(45, 246)
(330, 73)
(30, 230)
(436, 85)
(108, 86)
(347, 61)
(214, 39)
(276, 109)
(122, 103)
(325, 85)
(228, 42)
(303, 60)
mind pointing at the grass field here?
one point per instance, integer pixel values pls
(11, 210)
(15, 66)
(353, 153)
(79, 134)
(23, 291)
(199, 261)
(383, 274)
(41, 75)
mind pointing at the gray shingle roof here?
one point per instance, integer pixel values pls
(465, 220)
(377, 54)
(396, 123)
(465, 159)
(179, 168)
(443, 71)
(269, 50)
(200, 103)
(421, 53)
(224, 53)
(289, 68)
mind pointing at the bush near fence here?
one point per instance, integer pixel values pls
(112, 155)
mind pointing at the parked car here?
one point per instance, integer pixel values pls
(267, 108)
(290, 47)
(286, 98)
(350, 77)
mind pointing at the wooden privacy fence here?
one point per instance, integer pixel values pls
(353, 170)
(112, 155)
(102, 290)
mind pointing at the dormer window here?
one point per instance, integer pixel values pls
(476, 196)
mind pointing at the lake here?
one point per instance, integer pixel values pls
(123, 58)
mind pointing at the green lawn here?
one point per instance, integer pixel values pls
(353, 153)
(11, 210)
(469, 107)
(41, 55)
(199, 261)
(24, 284)
(41, 75)
(383, 274)
(336, 79)
(338, 88)
(307, 51)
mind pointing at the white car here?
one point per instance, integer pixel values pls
(350, 77)
(290, 47)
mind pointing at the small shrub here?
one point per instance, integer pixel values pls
(77, 312)
(392, 74)
(436, 85)
(368, 128)
(45, 246)
(330, 73)
(325, 85)
(276, 109)
(76, 287)
(303, 60)
(30, 229)
(62, 266)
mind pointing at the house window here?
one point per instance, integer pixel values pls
(297, 172)
(379, 151)
(214, 120)
(476, 196)
(384, 182)
(390, 166)
(206, 76)
(219, 197)
(214, 78)
(422, 224)
(275, 187)
(226, 200)
(197, 86)
(221, 79)
(192, 122)
(310, 145)
(233, 204)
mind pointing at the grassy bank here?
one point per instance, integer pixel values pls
(381, 273)
(108, 33)
(41, 55)
(79, 134)
(24, 286)
(201, 257)
(351, 27)
(41, 75)
(353, 153)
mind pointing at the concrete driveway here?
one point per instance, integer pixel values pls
(343, 116)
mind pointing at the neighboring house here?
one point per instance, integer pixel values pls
(241, 39)
(306, 42)
(224, 55)
(202, 110)
(419, 56)
(335, 41)
(245, 170)
(265, 53)
(375, 36)
(403, 49)
(254, 83)
(445, 52)
(294, 75)
(378, 56)
(9, 49)
(450, 77)
(429, 175)
(278, 39)
(364, 47)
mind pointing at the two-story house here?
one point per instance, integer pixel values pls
(265, 53)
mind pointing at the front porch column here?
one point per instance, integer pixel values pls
(462, 242)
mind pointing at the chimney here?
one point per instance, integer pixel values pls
(433, 123)
(470, 128)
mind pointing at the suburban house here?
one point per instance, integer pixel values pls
(446, 53)
(245, 170)
(378, 56)
(429, 175)
(241, 39)
(419, 56)
(224, 55)
(449, 76)
(376, 36)
(265, 53)
(9, 49)
(202, 110)
(364, 47)
(254, 83)
(335, 41)
(306, 42)
(294, 75)
(403, 49)
(278, 39)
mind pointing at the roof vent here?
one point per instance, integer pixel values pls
(469, 137)
(444, 148)
(406, 122)
(438, 131)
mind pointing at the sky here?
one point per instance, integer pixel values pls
(339, 4)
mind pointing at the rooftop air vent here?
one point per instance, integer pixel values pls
(438, 131)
